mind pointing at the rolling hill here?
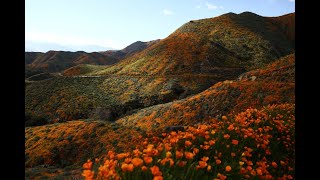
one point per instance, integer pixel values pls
(129, 50)
(208, 70)
(272, 84)
(56, 61)
(205, 46)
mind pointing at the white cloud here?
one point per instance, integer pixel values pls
(60, 39)
(213, 7)
(167, 12)
(292, 0)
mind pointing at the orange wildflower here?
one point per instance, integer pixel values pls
(188, 143)
(124, 167)
(205, 158)
(182, 163)
(127, 160)
(168, 154)
(195, 150)
(144, 168)
(179, 154)
(158, 178)
(137, 162)
(130, 167)
(211, 142)
(269, 176)
(235, 142)
(188, 155)
(226, 136)
(221, 176)
(147, 159)
(218, 161)
(228, 168)
(233, 154)
(205, 147)
(253, 172)
(259, 171)
(155, 171)
(87, 165)
(274, 164)
(122, 155)
(241, 163)
(111, 154)
(231, 127)
(88, 174)
(209, 168)
(224, 118)
(202, 164)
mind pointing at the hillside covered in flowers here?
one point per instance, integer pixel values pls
(213, 100)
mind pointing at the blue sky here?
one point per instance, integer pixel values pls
(117, 23)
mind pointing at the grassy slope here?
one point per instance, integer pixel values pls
(82, 69)
(69, 98)
(89, 138)
(71, 143)
(245, 40)
(55, 61)
(272, 84)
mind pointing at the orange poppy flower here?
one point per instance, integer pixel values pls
(274, 164)
(211, 142)
(195, 150)
(231, 127)
(253, 172)
(179, 154)
(202, 164)
(259, 171)
(155, 171)
(218, 161)
(168, 154)
(205, 158)
(87, 165)
(224, 118)
(158, 178)
(209, 168)
(228, 168)
(127, 160)
(130, 167)
(226, 136)
(137, 162)
(124, 167)
(235, 142)
(147, 159)
(88, 174)
(249, 168)
(188, 143)
(182, 163)
(144, 168)
(188, 155)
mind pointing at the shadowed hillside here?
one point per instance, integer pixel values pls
(55, 61)
(129, 50)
